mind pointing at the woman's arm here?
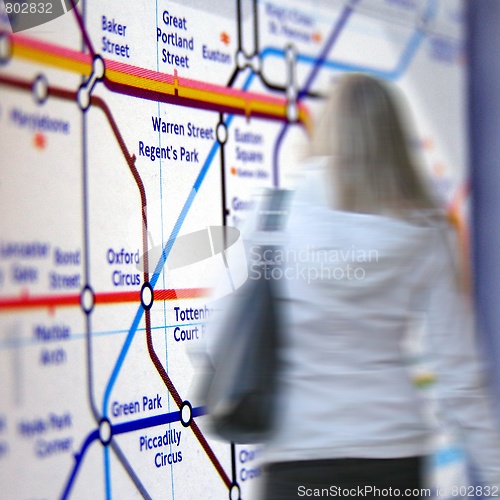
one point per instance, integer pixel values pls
(461, 389)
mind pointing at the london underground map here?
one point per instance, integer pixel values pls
(124, 127)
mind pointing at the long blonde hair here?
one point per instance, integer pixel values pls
(362, 131)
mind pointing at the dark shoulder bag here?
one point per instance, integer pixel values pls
(240, 392)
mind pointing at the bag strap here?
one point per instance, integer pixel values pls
(274, 212)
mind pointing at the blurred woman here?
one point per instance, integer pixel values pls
(369, 250)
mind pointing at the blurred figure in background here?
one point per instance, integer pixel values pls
(368, 249)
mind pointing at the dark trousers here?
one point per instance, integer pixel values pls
(345, 477)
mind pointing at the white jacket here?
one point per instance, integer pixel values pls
(346, 387)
